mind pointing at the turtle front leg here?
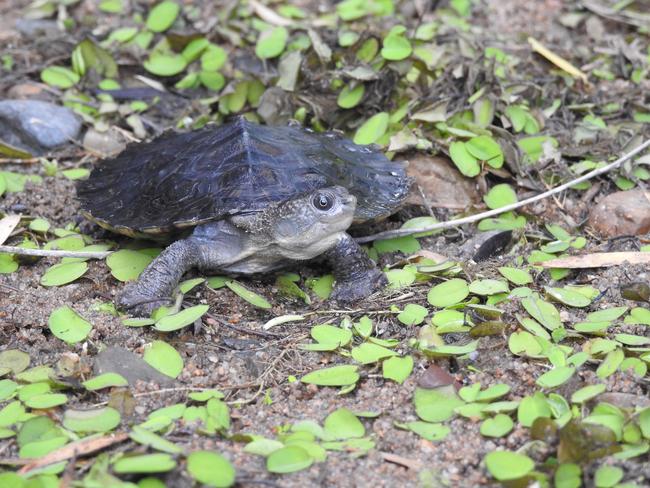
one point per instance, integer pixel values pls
(356, 274)
(158, 281)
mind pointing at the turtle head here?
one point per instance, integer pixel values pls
(310, 225)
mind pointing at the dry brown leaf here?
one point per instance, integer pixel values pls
(558, 61)
(268, 15)
(7, 225)
(402, 461)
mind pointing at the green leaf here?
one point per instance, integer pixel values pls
(611, 363)
(39, 225)
(368, 49)
(372, 129)
(516, 276)
(111, 6)
(14, 360)
(331, 334)
(569, 297)
(216, 282)
(126, 265)
(406, 244)
(165, 64)
(211, 469)
(288, 287)
(368, 353)
(164, 358)
(556, 377)
(249, 296)
(500, 196)
(506, 465)
(45, 401)
(97, 420)
(464, 161)
(144, 463)
(443, 351)
(68, 326)
(343, 424)
(8, 264)
(506, 221)
(632, 340)
(347, 38)
(187, 285)
(608, 476)
(271, 43)
(484, 148)
(531, 408)
(88, 56)
(351, 95)
(492, 393)
(644, 422)
(395, 46)
(498, 426)
(436, 405)
(607, 314)
(185, 317)
(568, 475)
(288, 459)
(448, 293)
(63, 273)
(587, 393)
(322, 286)
(532, 146)
(488, 287)
(106, 380)
(190, 80)
(263, 447)
(412, 314)
(429, 431)
(137, 321)
(162, 16)
(150, 439)
(7, 389)
(213, 58)
(638, 315)
(212, 81)
(334, 376)
(195, 48)
(121, 35)
(397, 369)
(59, 77)
(542, 311)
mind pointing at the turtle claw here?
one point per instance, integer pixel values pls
(138, 304)
(348, 292)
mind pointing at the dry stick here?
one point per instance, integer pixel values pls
(53, 254)
(473, 218)
(382, 235)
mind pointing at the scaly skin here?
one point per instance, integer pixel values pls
(356, 274)
(156, 284)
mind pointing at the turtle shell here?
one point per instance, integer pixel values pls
(180, 180)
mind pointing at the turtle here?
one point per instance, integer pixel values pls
(244, 198)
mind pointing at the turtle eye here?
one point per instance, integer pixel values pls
(322, 201)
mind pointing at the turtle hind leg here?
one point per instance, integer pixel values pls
(356, 274)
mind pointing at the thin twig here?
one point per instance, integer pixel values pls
(473, 218)
(53, 253)
(243, 330)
